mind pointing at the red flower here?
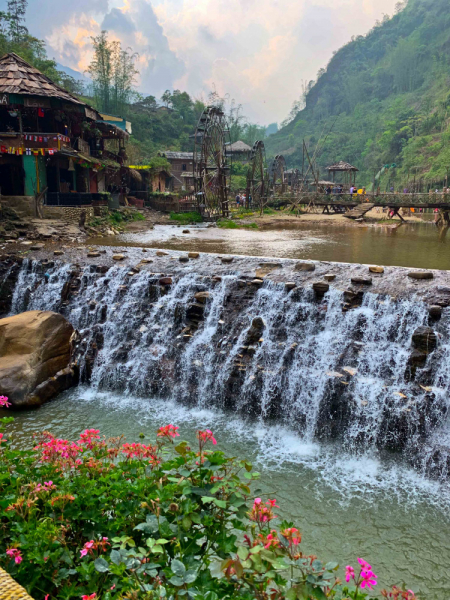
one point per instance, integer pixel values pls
(168, 431)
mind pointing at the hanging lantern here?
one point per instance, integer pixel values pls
(71, 165)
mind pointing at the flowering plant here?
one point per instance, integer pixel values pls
(102, 519)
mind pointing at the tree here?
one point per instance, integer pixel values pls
(16, 18)
(113, 74)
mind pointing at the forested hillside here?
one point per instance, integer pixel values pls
(384, 98)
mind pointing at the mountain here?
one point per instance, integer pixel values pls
(72, 73)
(384, 98)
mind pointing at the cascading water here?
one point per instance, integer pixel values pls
(267, 352)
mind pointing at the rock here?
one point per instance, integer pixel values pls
(193, 254)
(361, 280)
(320, 288)
(417, 360)
(376, 269)
(26, 243)
(329, 277)
(424, 339)
(202, 297)
(241, 283)
(227, 259)
(36, 247)
(217, 278)
(183, 259)
(265, 269)
(144, 250)
(186, 231)
(420, 275)
(435, 312)
(302, 266)
(118, 257)
(93, 254)
(165, 281)
(161, 253)
(255, 331)
(58, 252)
(34, 347)
(257, 282)
(146, 261)
(290, 285)
(49, 389)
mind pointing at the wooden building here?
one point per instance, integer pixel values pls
(53, 145)
(181, 168)
(239, 151)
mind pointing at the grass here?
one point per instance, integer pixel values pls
(227, 224)
(186, 218)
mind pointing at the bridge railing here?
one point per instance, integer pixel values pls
(434, 200)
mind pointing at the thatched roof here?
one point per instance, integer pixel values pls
(238, 147)
(342, 166)
(177, 155)
(19, 77)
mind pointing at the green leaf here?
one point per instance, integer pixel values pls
(242, 552)
(291, 594)
(101, 565)
(162, 541)
(190, 576)
(220, 503)
(331, 566)
(115, 557)
(206, 499)
(174, 580)
(157, 549)
(177, 567)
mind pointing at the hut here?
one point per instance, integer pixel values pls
(239, 151)
(349, 172)
(53, 146)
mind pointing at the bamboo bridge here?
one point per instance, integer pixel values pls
(353, 206)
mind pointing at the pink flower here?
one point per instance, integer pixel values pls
(168, 431)
(364, 564)
(4, 402)
(15, 553)
(89, 597)
(349, 573)
(113, 586)
(47, 596)
(368, 579)
(262, 513)
(293, 536)
(83, 552)
(206, 436)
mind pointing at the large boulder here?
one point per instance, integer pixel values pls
(35, 352)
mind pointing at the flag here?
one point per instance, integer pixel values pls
(51, 151)
(42, 151)
(40, 138)
(40, 112)
(3, 149)
(28, 151)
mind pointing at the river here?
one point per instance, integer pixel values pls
(345, 506)
(419, 245)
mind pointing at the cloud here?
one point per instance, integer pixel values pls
(258, 51)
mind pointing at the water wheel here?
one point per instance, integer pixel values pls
(295, 181)
(256, 177)
(276, 175)
(211, 163)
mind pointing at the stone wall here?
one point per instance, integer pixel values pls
(24, 205)
(72, 214)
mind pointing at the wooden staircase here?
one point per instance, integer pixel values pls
(359, 211)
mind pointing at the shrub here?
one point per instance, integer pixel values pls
(105, 519)
(186, 218)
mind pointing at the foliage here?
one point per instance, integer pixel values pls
(186, 218)
(228, 224)
(96, 518)
(113, 74)
(382, 99)
(14, 37)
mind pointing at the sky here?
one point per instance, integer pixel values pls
(257, 51)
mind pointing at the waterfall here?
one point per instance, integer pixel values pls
(266, 353)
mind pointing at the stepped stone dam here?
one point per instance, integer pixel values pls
(341, 353)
